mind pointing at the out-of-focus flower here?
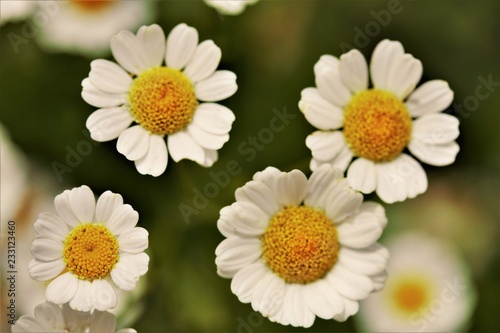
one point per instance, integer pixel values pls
(428, 289)
(88, 249)
(163, 100)
(86, 26)
(230, 7)
(50, 317)
(14, 10)
(299, 248)
(378, 123)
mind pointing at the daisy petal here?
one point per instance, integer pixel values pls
(28, 324)
(435, 128)
(386, 54)
(233, 222)
(64, 210)
(82, 202)
(128, 53)
(98, 98)
(213, 118)
(107, 76)
(405, 75)
(431, 97)
(377, 209)
(62, 289)
(365, 261)
(140, 261)
(51, 226)
(400, 179)
(291, 188)
(123, 218)
(133, 142)
(134, 240)
(211, 156)
(181, 45)
(354, 71)
(319, 184)
(244, 281)
(49, 315)
(125, 276)
(331, 87)
(108, 124)
(155, 161)
(350, 308)
(81, 301)
(152, 40)
(325, 146)
(318, 111)
(218, 86)
(205, 60)
(206, 139)
(102, 294)
(359, 231)
(341, 201)
(103, 322)
(378, 280)
(40, 270)
(267, 297)
(234, 253)
(304, 316)
(181, 145)
(318, 301)
(362, 176)
(437, 155)
(349, 284)
(326, 62)
(260, 195)
(107, 203)
(46, 249)
(269, 176)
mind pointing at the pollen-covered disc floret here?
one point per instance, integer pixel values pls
(377, 125)
(300, 244)
(90, 251)
(162, 100)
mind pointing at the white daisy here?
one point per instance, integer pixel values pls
(428, 289)
(14, 10)
(88, 249)
(377, 124)
(86, 26)
(299, 248)
(163, 100)
(230, 7)
(50, 317)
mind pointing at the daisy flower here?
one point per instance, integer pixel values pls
(299, 248)
(429, 289)
(162, 100)
(88, 249)
(14, 10)
(50, 317)
(230, 7)
(86, 26)
(377, 124)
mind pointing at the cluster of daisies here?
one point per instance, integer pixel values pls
(296, 248)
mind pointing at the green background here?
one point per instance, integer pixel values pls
(272, 48)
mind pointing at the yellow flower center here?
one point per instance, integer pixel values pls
(377, 125)
(92, 5)
(162, 100)
(300, 244)
(90, 251)
(411, 294)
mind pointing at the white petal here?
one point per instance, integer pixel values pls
(350, 308)
(326, 62)
(341, 161)
(320, 183)
(125, 276)
(354, 71)
(152, 40)
(181, 145)
(341, 201)
(155, 161)
(331, 87)
(103, 295)
(260, 195)
(134, 241)
(366, 261)
(218, 86)
(325, 146)
(362, 175)
(400, 179)
(181, 45)
(243, 282)
(122, 219)
(128, 52)
(323, 300)
(435, 128)
(108, 124)
(51, 226)
(437, 155)
(107, 203)
(359, 231)
(133, 142)
(205, 60)
(318, 111)
(377, 209)
(46, 249)
(431, 97)
(45, 270)
(28, 324)
(269, 176)
(82, 203)
(378, 280)
(405, 75)
(211, 156)
(291, 188)
(139, 261)
(267, 296)
(206, 139)
(103, 322)
(236, 220)
(234, 253)
(81, 301)
(385, 55)
(107, 76)
(62, 289)
(304, 316)
(213, 118)
(64, 210)
(100, 99)
(349, 284)
(50, 316)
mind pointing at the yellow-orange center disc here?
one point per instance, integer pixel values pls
(377, 125)
(410, 294)
(93, 5)
(300, 244)
(162, 100)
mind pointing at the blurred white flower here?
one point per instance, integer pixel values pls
(230, 7)
(429, 289)
(14, 10)
(377, 124)
(299, 248)
(162, 100)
